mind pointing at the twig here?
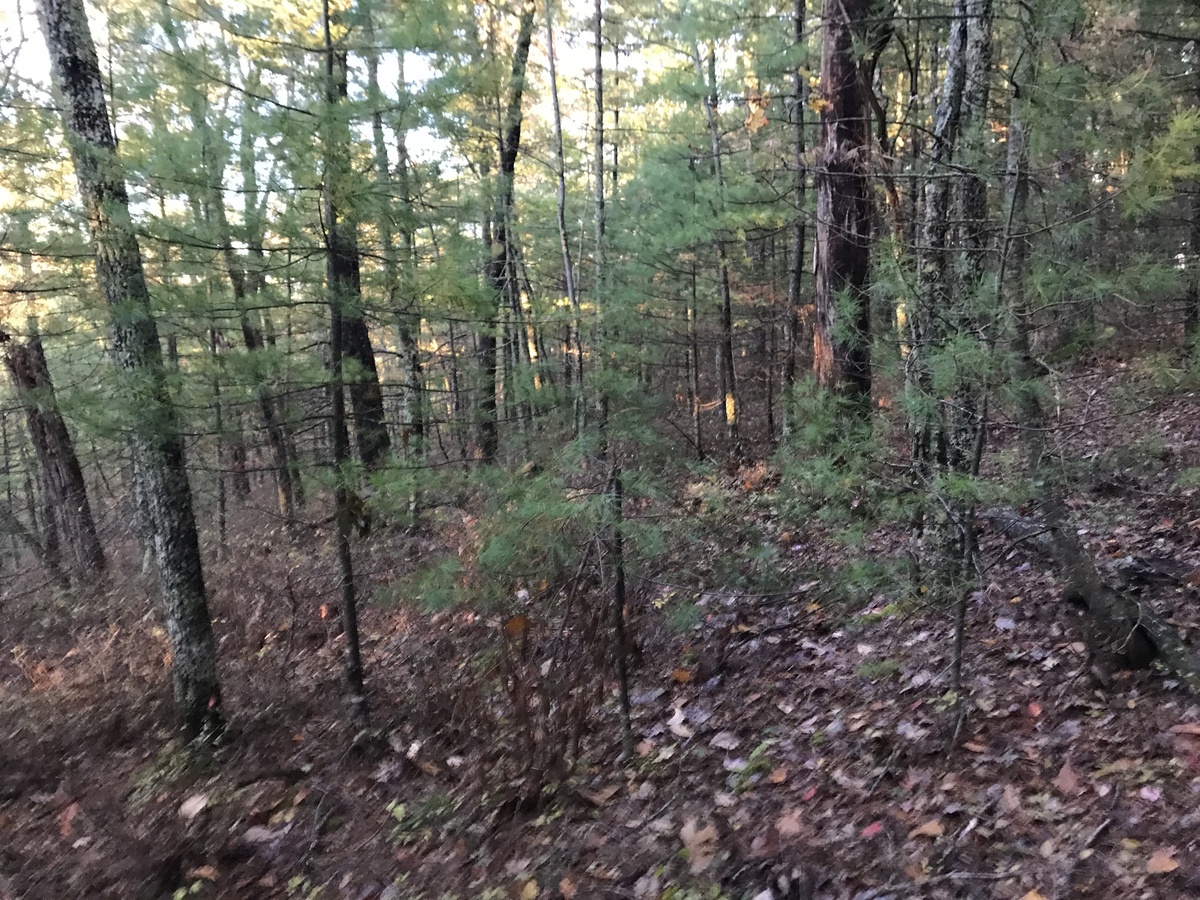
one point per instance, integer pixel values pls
(909, 887)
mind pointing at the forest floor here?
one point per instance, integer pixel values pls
(782, 733)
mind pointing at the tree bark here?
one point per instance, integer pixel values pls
(68, 512)
(728, 374)
(343, 271)
(795, 294)
(500, 269)
(341, 259)
(158, 445)
(841, 338)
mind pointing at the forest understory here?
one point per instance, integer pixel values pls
(807, 734)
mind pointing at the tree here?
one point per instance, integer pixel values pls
(841, 339)
(158, 448)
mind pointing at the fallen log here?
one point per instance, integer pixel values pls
(1123, 631)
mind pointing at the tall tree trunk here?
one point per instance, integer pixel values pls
(158, 445)
(795, 293)
(707, 76)
(841, 338)
(399, 281)
(345, 286)
(341, 260)
(574, 348)
(500, 268)
(949, 429)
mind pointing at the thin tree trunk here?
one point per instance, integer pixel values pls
(574, 343)
(342, 277)
(158, 445)
(795, 293)
(499, 269)
(948, 437)
(727, 371)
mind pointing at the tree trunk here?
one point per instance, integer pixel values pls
(948, 428)
(345, 287)
(158, 445)
(574, 343)
(725, 357)
(341, 259)
(795, 294)
(64, 493)
(841, 338)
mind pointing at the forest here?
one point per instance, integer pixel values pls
(512, 449)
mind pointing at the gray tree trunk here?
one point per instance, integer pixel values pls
(158, 446)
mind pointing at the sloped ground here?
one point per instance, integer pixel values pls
(781, 734)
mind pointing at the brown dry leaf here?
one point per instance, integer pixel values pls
(66, 817)
(1162, 861)
(778, 776)
(208, 873)
(683, 676)
(975, 747)
(788, 825)
(1034, 895)
(602, 796)
(931, 829)
(1010, 800)
(567, 888)
(517, 625)
(529, 890)
(644, 748)
(1067, 781)
(1186, 728)
(701, 844)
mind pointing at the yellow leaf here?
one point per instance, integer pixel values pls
(529, 891)
(818, 104)
(1162, 861)
(1033, 895)
(932, 829)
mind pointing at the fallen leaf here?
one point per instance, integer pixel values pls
(778, 776)
(529, 891)
(683, 676)
(193, 806)
(1010, 800)
(676, 724)
(567, 888)
(701, 844)
(788, 825)
(975, 747)
(1162, 861)
(517, 625)
(208, 873)
(66, 817)
(726, 740)
(1151, 793)
(1186, 728)
(932, 829)
(602, 796)
(1035, 709)
(1066, 780)
(873, 829)
(644, 748)
(1033, 895)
